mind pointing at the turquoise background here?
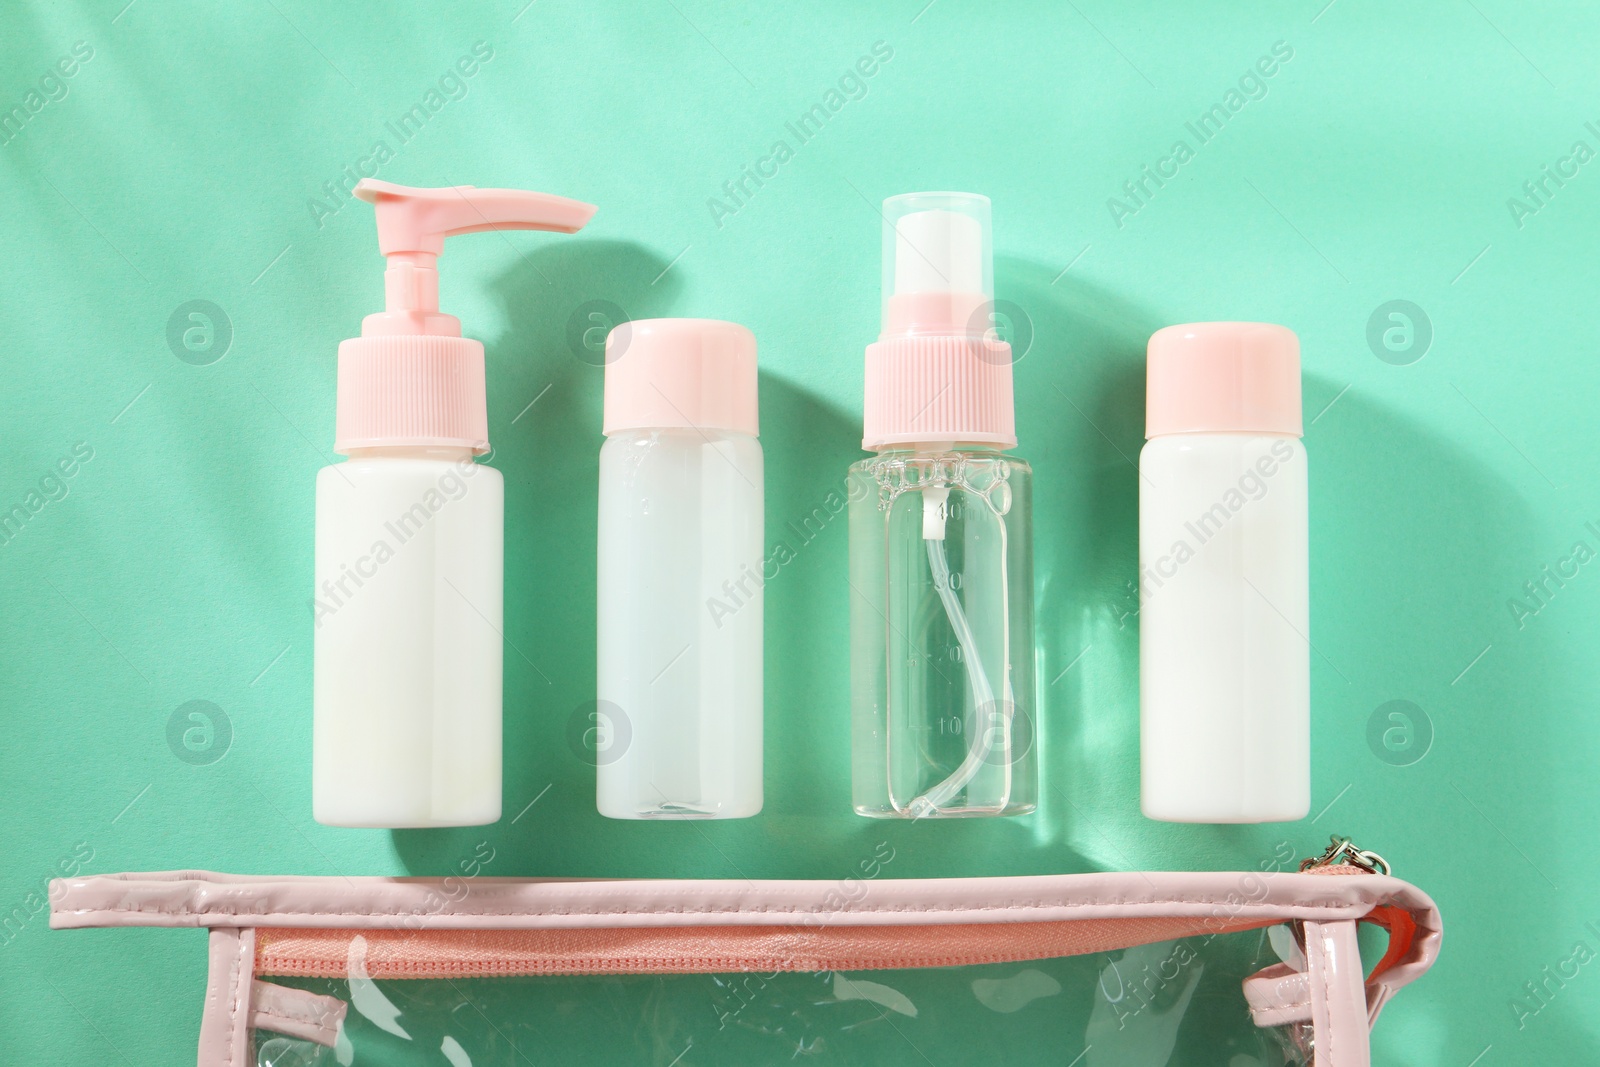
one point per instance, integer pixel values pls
(182, 162)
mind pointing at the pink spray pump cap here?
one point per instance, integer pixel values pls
(411, 378)
(938, 374)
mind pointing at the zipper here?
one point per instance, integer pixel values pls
(465, 953)
(455, 953)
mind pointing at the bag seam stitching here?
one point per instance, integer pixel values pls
(1338, 906)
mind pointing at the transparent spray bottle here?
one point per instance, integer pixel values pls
(942, 683)
(410, 537)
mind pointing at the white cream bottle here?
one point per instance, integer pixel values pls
(1224, 616)
(680, 574)
(407, 612)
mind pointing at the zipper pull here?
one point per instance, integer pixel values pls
(1341, 851)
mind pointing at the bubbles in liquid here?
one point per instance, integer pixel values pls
(986, 477)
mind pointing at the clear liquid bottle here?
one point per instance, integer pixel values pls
(941, 576)
(680, 574)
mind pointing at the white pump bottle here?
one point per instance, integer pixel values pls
(409, 538)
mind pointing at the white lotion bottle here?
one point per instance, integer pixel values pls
(407, 611)
(1224, 613)
(680, 572)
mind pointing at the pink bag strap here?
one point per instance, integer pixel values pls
(225, 1026)
(237, 1004)
(1328, 1009)
(1338, 996)
(296, 1012)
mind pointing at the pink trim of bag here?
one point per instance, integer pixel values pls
(453, 927)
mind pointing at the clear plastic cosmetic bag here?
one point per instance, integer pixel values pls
(1088, 970)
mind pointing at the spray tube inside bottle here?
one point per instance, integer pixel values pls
(942, 616)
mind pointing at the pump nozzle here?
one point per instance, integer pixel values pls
(411, 380)
(939, 374)
(412, 226)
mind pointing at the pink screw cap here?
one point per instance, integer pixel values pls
(693, 374)
(1223, 377)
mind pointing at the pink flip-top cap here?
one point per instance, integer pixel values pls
(696, 374)
(1223, 377)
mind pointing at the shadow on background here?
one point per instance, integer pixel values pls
(809, 448)
(546, 377)
(1080, 422)
(1414, 546)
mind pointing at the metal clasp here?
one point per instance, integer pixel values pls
(1341, 850)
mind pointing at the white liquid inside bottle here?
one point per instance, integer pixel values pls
(1224, 613)
(408, 646)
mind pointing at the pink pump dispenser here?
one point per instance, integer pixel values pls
(410, 561)
(411, 378)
